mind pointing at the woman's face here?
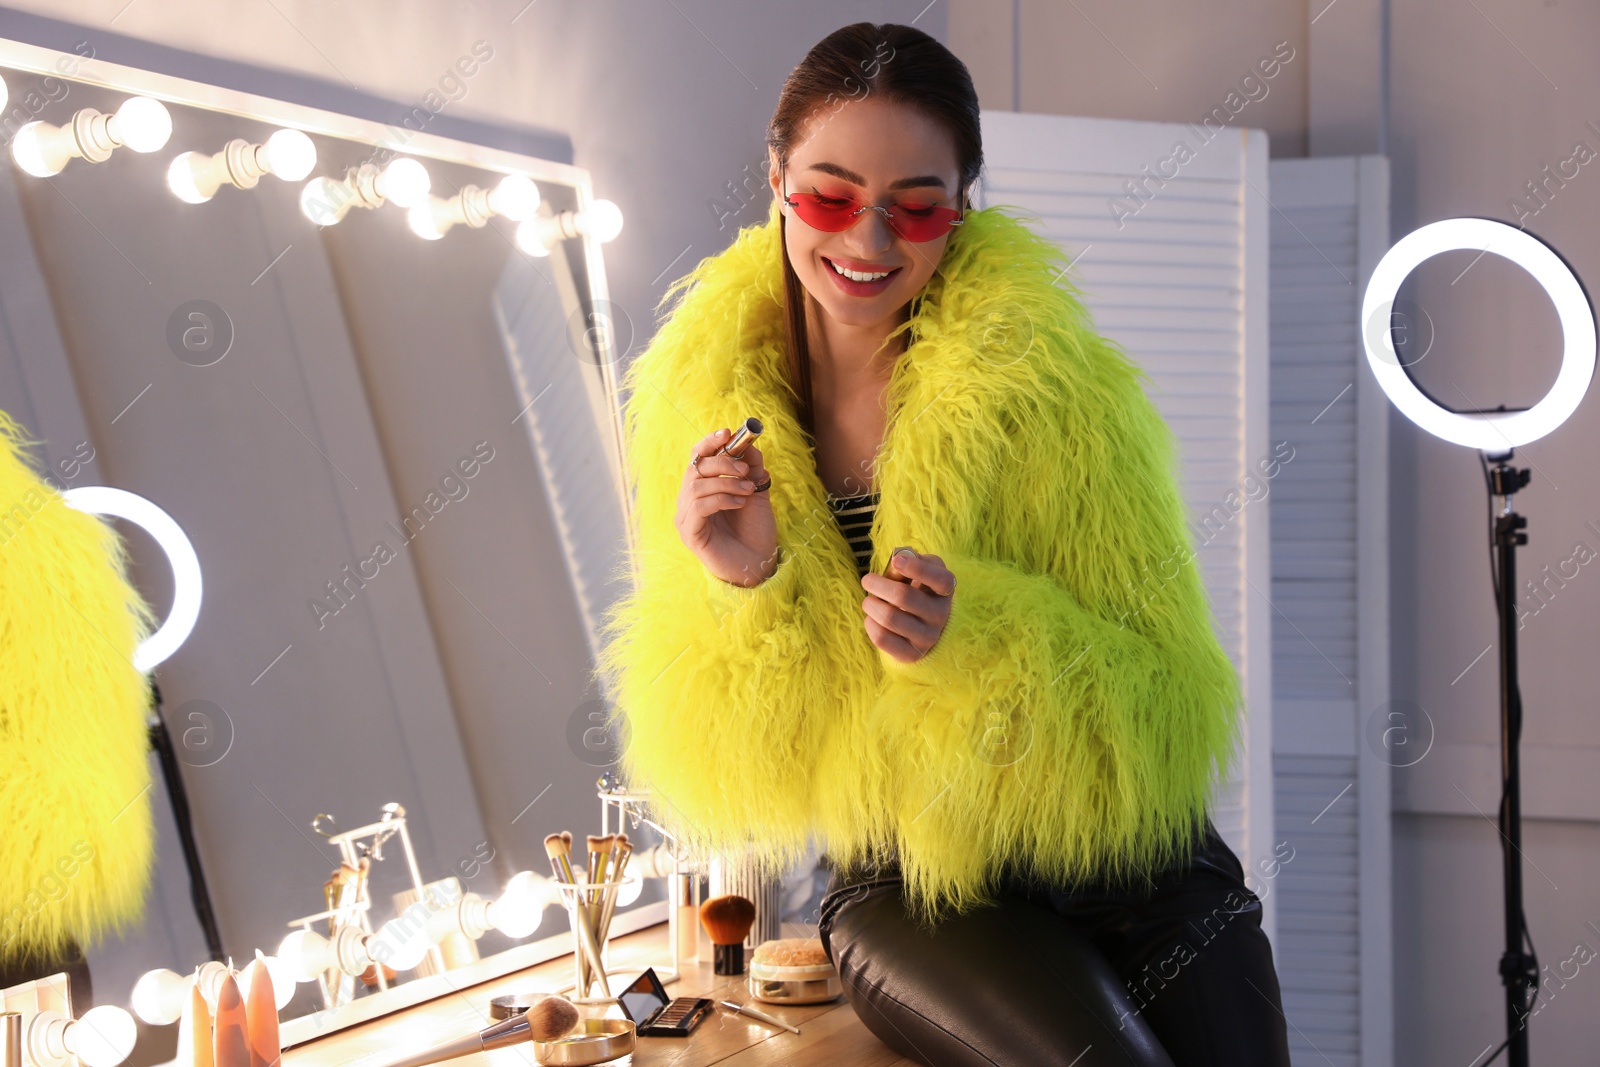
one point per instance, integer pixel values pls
(878, 152)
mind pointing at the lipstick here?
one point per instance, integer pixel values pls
(747, 432)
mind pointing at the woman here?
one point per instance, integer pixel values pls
(1006, 735)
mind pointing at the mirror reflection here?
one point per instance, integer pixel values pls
(277, 333)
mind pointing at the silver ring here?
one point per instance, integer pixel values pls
(695, 463)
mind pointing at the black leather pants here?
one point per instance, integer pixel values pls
(1178, 975)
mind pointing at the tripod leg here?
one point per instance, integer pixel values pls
(161, 741)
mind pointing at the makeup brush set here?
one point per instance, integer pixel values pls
(591, 902)
(585, 1030)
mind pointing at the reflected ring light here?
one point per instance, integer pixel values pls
(1487, 431)
(186, 587)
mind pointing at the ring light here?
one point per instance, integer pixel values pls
(1487, 431)
(186, 588)
(1495, 434)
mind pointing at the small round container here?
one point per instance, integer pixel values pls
(595, 1040)
(792, 971)
(504, 1007)
(815, 984)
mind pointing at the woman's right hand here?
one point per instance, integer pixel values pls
(724, 521)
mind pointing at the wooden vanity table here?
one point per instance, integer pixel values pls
(830, 1034)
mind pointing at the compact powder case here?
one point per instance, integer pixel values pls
(814, 983)
(504, 1007)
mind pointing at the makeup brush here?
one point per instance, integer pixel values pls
(566, 836)
(548, 1019)
(756, 1013)
(597, 845)
(621, 849)
(599, 854)
(727, 919)
(555, 846)
(599, 851)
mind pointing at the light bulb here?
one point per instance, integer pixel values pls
(517, 912)
(277, 970)
(602, 220)
(405, 182)
(194, 177)
(515, 197)
(209, 977)
(41, 149)
(540, 886)
(290, 155)
(282, 979)
(531, 236)
(629, 892)
(427, 219)
(5, 94)
(159, 996)
(306, 954)
(401, 943)
(103, 1037)
(142, 124)
(325, 201)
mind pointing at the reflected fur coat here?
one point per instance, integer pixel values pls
(1078, 708)
(76, 837)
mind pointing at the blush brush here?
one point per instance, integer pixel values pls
(727, 919)
(546, 1020)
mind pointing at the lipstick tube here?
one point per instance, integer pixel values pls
(747, 432)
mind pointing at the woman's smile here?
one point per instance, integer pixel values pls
(859, 279)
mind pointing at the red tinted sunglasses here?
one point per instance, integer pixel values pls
(913, 220)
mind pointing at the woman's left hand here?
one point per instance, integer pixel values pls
(905, 619)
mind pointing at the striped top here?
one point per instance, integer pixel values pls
(855, 521)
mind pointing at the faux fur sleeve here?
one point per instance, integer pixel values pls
(1074, 713)
(711, 682)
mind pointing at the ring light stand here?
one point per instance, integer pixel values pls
(151, 653)
(1495, 434)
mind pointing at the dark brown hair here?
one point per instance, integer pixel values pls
(899, 63)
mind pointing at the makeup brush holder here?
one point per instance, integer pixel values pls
(598, 903)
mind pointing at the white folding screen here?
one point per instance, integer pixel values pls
(1330, 638)
(1167, 226)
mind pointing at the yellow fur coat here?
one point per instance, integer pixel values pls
(1075, 713)
(76, 839)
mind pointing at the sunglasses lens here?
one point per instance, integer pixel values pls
(918, 222)
(915, 222)
(827, 213)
